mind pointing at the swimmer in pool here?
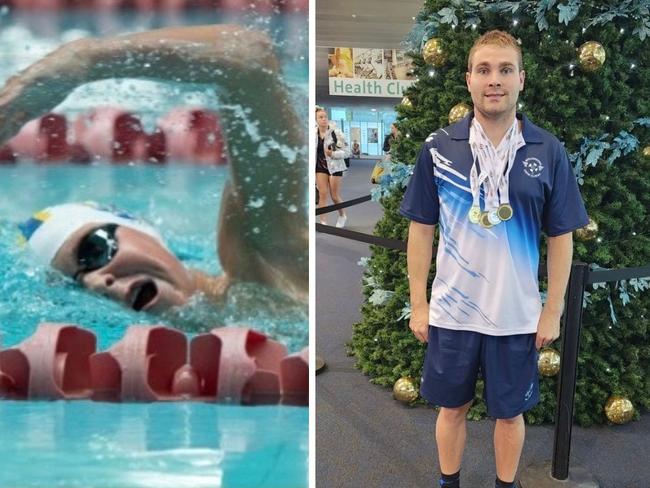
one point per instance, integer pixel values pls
(125, 259)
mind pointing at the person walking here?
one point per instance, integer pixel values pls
(331, 151)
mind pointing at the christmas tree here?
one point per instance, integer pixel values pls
(587, 82)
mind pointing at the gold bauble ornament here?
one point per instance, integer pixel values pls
(548, 363)
(406, 102)
(591, 56)
(646, 152)
(433, 53)
(405, 390)
(458, 112)
(619, 409)
(588, 232)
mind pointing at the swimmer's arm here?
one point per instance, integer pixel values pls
(239, 59)
(266, 139)
(263, 222)
(225, 54)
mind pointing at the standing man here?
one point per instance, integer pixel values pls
(492, 182)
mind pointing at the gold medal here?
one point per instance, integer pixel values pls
(504, 211)
(474, 214)
(485, 221)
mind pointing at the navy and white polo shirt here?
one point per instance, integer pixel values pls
(486, 279)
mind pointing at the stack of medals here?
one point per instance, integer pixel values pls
(494, 177)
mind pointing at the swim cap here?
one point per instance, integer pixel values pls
(47, 230)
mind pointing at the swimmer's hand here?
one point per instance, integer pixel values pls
(215, 288)
(42, 86)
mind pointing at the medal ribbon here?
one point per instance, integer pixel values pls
(495, 164)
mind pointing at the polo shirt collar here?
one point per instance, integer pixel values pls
(532, 133)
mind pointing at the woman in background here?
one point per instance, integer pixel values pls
(331, 151)
(390, 139)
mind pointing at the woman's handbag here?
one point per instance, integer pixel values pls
(347, 160)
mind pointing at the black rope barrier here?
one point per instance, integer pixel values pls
(604, 275)
(361, 237)
(338, 206)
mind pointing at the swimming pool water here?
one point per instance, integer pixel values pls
(162, 445)
(87, 444)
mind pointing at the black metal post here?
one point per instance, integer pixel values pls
(568, 370)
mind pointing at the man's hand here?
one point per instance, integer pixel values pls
(548, 328)
(419, 322)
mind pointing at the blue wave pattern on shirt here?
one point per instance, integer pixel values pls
(464, 300)
(466, 245)
(456, 207)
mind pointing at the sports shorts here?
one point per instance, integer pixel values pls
(507, 364)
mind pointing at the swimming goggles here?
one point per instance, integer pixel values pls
(97, 248)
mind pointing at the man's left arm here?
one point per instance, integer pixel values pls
(559, 257)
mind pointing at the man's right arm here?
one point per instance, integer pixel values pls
(418, 257)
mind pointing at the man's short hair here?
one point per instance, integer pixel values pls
(495, 38)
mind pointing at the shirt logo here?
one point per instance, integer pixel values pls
(533, 167)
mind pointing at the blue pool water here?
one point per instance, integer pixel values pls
(86, 444)
(103, 445)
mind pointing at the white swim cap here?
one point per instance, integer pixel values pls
(47, 230)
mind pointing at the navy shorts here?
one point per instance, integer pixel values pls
(508, 365)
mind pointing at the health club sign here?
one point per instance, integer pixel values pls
(366, 72)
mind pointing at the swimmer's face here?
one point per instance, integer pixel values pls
(142, 274)
(321, 119)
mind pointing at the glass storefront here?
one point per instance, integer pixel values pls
(366, 126)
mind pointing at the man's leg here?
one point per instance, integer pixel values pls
(509, 365)
(509, 437)
(451, 366)
(451, 432)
